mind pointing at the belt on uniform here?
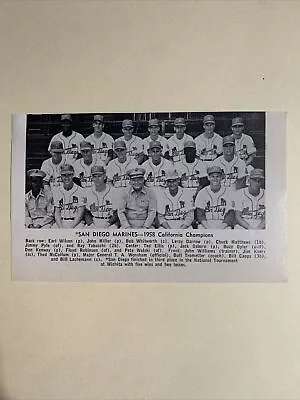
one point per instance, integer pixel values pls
(68, 219)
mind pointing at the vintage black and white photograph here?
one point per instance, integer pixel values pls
(154, 170)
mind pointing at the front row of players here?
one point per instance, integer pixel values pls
(138, 206)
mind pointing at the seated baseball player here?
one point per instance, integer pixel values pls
(234, 169)
(52, 165)
(83, 166)
(250, 203)
(39, 210)
(176, 142)
(175, 204)
(69, 201)
(101, 199)
(137, 204)
(102, 142)
(156, 167)
(154, 129)
(244, 146)
(209, 143)
(134, 144)
(117, 168)
(214, 204)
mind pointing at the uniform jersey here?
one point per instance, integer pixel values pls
(162, 140)
(155, 175)
(68, 201)
(208, 149)
(70, 144)
(176, 147)
(190, 173)
(101, 204)
(52, 172)
(116, 172)
(83, 171)
(233, 170)
(251, 207)
(134, 146)
(101, 145)
(214, 204)
(244, 146)
(174, 208)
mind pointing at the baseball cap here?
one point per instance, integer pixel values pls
(208, 118)
(237, 121)
(229, 139)
(127, 123)
(84, 145)
(153, 122)
(66, 168)
(98, 117)
(136, 172)
(36, 173)
(179, 122)
(172, 174)
(56, 147)
(97, 169)
(119, 144)
(66, 116)
(257, 173)
(155, 144)
(214, 169)
(189, 143)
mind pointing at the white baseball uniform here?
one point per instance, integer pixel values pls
(155, 175)
(244, 146)
(70, 144)
(83, 171)
(176, 146)
(208, 149)
(233, 170)
(162, 140)
(101, 145)
(52, 172)
(251, 207)
(134, 146)
(190, 173)
(101, 205)
(116, 172)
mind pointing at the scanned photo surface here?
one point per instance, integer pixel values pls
(154, 196)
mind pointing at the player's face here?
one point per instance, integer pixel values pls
(255, 184)
(127, 132)
(209, 127)
(98, 127)
(137, 183)
(66, 125)
(179, 130)
(173, 184)
(121, 154)
(228, 149)
(215, 179)
(98, 178)
(155, 154)
(237, 130)
(190, 153)
(86, 154)
(36, 183)
(154, 131)
(56, 156)
(67, 178)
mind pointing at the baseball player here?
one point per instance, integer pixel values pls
(83, 166)
(52, 165)
(39, 210)
(153, 129)
(175, 205)
(134, 144)
(101, 141)
(137, 204)
(69, 201)
(117, 168)
(156, 167)
(244, 145)
(69, 138)
(233, 167)
(250, 203)
(209, 143)
(214, 204)
(176, 142)
(101, 199)
(191, 170)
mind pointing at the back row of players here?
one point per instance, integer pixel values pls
(185, 160)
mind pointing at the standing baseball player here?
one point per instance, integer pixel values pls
(214, 204)
(137, 204)
(233, 167)
(175, 205)
(134, 144)
(156, 167)
(117, 168)
(69, 201)
(52, 165)
(69, 138)
(39, 210)
(250, 203)
(83, 166)
(209, 143)
(101, 141)
(176, 142)
(101, 199)
(154, 129)
(244, 145)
